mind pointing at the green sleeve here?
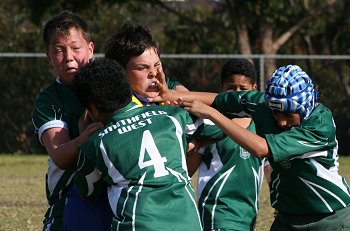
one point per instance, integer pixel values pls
(206, 129)
(172, 84)
(248, 104)
(315, 137)
(88, 179)
(239, 102)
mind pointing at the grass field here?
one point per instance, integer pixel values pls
(23, 202)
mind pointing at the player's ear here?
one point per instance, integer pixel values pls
(91, 50)
(255, 86)
(48, 57)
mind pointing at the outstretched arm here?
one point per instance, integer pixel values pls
(166, 95)
(251, 142)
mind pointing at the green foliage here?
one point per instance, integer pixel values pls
(18, 98)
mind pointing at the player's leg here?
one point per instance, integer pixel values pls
(82, 215)
(53, 224)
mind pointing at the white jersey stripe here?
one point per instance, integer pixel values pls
(310, 184)
(136, 198)
(179, 134)
(333, 177)
(179, 177)
(226, 175)
(257, 186)
(112, 171)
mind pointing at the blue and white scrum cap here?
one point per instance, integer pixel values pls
(290, 89)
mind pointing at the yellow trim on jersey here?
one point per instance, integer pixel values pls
(138, 102)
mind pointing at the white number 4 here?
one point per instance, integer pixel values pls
(156, 160)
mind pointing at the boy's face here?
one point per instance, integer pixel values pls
(142, 71)
(287, 120)
(67, 53)
(238, 83)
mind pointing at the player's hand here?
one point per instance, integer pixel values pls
(89, 130)
(192, 145)
(196, 144)
(196, 107)
(87, 127)
(84, 121)
(164, 92)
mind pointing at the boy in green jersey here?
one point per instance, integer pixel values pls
(225, 163)
(297, 134)
(134, 47)
(139, 154)
(55, 117)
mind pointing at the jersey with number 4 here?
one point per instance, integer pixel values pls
(305, 177)
(140, 154)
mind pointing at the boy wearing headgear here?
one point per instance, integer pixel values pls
(297, 134)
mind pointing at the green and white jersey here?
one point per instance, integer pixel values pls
(305, 177)
(57, 106)
(229, 181)
(140, 154)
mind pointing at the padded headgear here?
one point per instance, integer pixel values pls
(290, 89)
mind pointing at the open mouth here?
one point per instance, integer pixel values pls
(153, 85)
(71, 69)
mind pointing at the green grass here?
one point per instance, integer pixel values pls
(22, 193)
(23, 202)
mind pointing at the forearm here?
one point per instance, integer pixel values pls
(193, 160)
(251, 142)
(205, 97)
(61, 149)
(65, 155)
(180, 92)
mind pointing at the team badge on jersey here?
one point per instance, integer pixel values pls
(243, 153)
(285, 164)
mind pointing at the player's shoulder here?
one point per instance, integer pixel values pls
(49, 92)
(321, 121)
(320, 114)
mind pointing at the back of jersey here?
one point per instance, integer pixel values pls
(141, 155)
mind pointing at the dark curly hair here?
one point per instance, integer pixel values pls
(62, 23)
(238, 67)
(130, 41)
(104, 84)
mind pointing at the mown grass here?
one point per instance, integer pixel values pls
(23, 202)
(22, 193)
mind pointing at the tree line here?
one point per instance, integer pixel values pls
(307, 27)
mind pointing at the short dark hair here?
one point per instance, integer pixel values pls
(104, 84)
(130, 41)
(238, 67)
(62, 23)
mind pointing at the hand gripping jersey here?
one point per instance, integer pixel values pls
(305, 177)
(229, 181)
(57, 106)
(140, 154)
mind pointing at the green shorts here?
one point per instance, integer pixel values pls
(336, 221)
